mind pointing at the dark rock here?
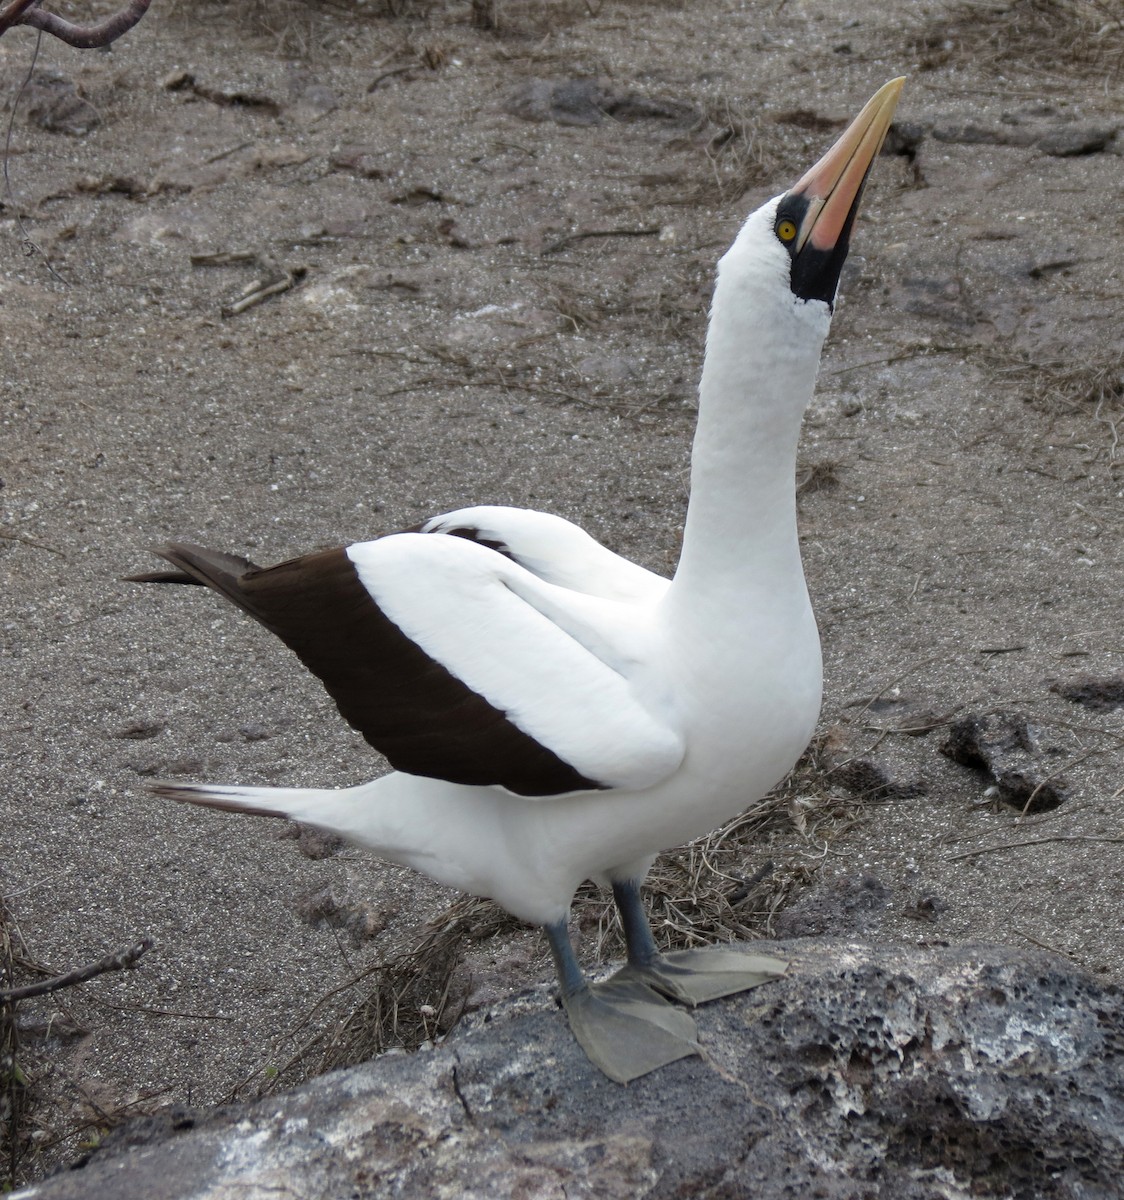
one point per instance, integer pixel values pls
(868, 780)
(1072, 140)
(54, 103)
(968, 133)
(940, 298)
(1102, 694)
(926, 908)
(904, 138)
(1006, 747)
(1039, 128)
(807, 118)
(847, 906)
(566, 102)
(867, 1071)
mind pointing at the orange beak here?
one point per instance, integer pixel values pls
(815, 218)
(833, 187)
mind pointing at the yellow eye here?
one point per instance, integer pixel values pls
(786, 230)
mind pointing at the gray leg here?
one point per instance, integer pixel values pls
(625, 1028)
(642, 949)
(689, 976)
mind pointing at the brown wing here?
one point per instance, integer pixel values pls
(405, 703)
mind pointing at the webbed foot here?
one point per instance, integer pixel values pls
(696, 976)
(626, 1029)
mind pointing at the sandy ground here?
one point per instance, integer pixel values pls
(501, 289)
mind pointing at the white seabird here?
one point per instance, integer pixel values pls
(555, 713)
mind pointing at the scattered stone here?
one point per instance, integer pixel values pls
(1072, 140)
(255, 731)
(807, 118)
(188, 767)
(609, 368)
(867, 1070)
(101, 185)
(54, 103)
(1103, 694)
(138, 731)
(843, 906)
(904, 138)
(927, 909)
(869, 780)
(939, 297)
(365, 161)
(1054, 266)
(588, 102)
(1006, 747)
(968, 133)
(450, 231)
(177, 79)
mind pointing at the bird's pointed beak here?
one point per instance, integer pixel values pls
(824, 204)
(834, 186)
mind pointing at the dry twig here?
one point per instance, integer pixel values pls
(122, 960)
(1060, 837)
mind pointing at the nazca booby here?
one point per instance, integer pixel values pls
(555, 713)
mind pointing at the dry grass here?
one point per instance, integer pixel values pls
(739, 156)
(1091, 388)
(14, 1088)
(1039, 34)
(819, 476)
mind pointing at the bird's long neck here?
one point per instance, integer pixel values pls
(740, 540)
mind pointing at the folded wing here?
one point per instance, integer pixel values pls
(436, 650)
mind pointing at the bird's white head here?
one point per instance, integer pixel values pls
(776, 284)
(790, 252)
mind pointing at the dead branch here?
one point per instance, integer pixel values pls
(13, 14)
(123, 960)
(82, 37)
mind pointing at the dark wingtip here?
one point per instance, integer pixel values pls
(205, 797)
(196, 565)
(163, 577)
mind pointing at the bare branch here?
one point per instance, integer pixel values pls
(123, 960)
(13, 14)
(83, 37)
